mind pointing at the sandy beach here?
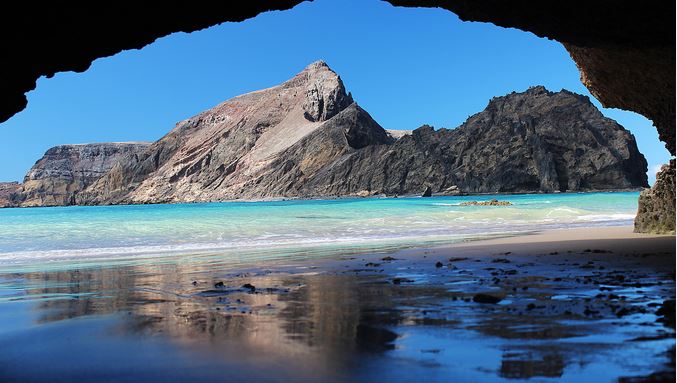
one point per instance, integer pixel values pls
(620, 239)
(601, 242)
(564, 305)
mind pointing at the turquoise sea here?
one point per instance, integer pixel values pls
(245, 232)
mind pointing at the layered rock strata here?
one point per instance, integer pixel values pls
(66, 170)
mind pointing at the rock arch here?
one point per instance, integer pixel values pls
(624, 49)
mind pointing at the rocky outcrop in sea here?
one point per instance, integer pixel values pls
(308, 138)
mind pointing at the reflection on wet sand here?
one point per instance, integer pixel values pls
(353, 321)
(520, 366)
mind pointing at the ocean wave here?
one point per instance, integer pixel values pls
(123, 232)
(605, 217)
(198, 248)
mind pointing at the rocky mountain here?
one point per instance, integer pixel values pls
(307, 138)
(214, 155)
(65, 170)
(523, 142)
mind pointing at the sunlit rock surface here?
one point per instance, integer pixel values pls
(307, 138)
(656, 213)
(65, 170)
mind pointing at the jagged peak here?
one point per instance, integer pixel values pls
(538, 89)
(325, 93)
(317, 64)
(423, 130)
(318, 70)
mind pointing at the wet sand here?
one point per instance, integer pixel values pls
(571, 305)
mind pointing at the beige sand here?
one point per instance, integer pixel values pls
(612, 241)
(617, 240)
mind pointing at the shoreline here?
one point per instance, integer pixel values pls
(531, 242)
(615, 239)
(334, 198)
(619, 239)
(588, 242)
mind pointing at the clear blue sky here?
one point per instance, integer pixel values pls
(406, 67)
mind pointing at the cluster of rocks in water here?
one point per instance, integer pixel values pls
(308, 138)
(491, 202)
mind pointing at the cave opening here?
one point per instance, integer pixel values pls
(137, 95)
(338, 191)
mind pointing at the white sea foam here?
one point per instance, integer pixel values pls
(250, 230)
(605, 217)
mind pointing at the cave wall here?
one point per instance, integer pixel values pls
(625, 50)
(41, 39)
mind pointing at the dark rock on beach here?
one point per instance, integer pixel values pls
(667, 312)
(486, 298)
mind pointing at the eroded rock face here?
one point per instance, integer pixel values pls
(523, 142)
(307, 138)
(325, 93)
(656, 211)
(66, 170)
(9, 194)
(216, 154)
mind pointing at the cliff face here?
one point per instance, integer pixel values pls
(65, 170)
(522, 142)
(9, 194)
(307, 138)
(531, 141)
